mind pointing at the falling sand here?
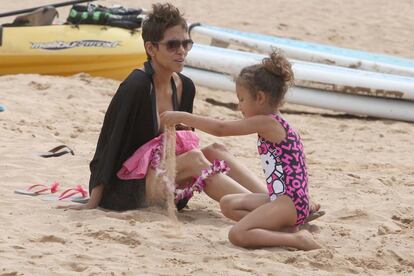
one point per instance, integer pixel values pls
(161, 181)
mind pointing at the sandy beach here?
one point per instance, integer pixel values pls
(361, 169)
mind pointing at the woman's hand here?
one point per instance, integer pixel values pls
(169, 118)
(92, 203)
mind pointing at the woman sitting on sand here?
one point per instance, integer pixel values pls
(132, 119)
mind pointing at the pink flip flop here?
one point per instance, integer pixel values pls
(77, 194)
(74, 191)
(39, 189)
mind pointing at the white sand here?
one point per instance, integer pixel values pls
(361, 170)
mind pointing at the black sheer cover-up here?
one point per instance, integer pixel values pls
(130, 121)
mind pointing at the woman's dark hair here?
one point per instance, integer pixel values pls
(162, 17)
(273, 76)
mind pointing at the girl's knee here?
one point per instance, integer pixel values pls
(213, 150)
(237, 236)
(226, 205)
(217, 147)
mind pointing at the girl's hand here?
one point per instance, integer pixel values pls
(171, 117)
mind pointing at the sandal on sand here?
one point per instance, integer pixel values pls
(77, 194)
(314, 215)
(73, 191)
(39, 189)
(57, 151)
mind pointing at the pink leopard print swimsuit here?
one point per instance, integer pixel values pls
(285, 169)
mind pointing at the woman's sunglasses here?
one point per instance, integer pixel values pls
(175, 44)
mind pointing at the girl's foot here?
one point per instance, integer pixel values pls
(306, 241)
(314, 212)
(314, 207)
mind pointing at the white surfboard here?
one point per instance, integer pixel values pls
(314, 75)
(353, 104)
(312, 52)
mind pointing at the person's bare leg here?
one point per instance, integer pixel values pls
(237, 206)
(190, 165)
(246, 177)
(238, 171)
(262, 227)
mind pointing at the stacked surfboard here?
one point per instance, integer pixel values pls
(328, 77)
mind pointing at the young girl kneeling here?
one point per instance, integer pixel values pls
(272, 219)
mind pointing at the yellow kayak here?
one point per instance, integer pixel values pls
(66, 50)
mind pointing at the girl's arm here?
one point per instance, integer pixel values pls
(263, 125)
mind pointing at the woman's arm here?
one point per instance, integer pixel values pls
(261, 124)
